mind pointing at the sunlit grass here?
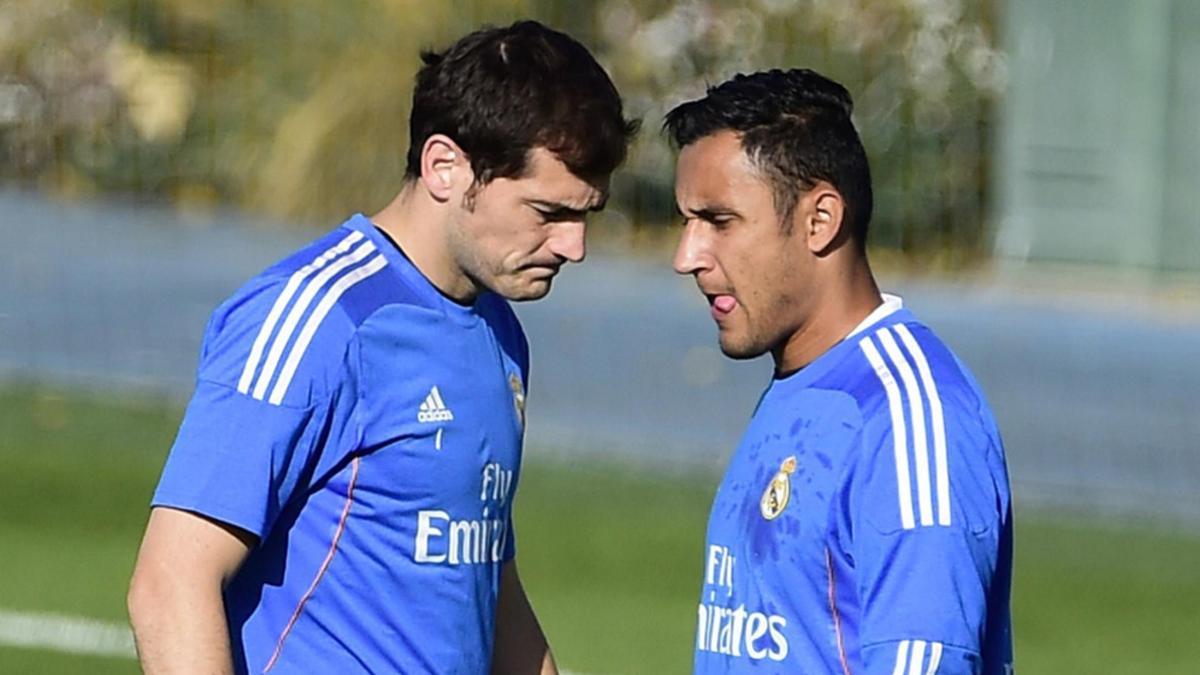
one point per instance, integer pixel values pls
(611, 555)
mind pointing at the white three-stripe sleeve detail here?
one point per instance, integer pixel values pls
(298, 309)
(917, 409)
(916, 658)
(318, 315)
(901, 658)
(937, 421)
(314, 321)
(935, 658)
(260, 341)
(899, 433)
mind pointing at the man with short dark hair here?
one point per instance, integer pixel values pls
(864, 523)
(339, 497)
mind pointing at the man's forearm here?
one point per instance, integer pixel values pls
(521, 647)
(179, 630)
(175, 599)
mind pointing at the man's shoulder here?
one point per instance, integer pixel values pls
(927, 432)
(289, 326)
(904, 362)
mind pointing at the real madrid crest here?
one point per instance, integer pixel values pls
(779, 490)
(518, 392)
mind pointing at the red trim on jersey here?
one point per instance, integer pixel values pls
(837, 620)
(337, 535)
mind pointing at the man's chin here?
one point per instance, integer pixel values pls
(524, 292)
(740, 350)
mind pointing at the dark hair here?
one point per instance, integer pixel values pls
(501, 92)
(795, 126)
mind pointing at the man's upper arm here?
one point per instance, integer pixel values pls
(265, 409)
(182, 544)
(237, 460)
(926, 545)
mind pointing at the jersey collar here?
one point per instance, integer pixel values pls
(416, 279)
(890, 305)
(890, 310)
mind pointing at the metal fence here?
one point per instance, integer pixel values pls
(295, 111)
(1097, 401)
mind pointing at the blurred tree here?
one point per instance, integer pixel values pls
(924, 74)
(303, 104)
(298, 108)
(60, 109)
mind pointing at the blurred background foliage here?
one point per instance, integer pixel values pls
(298, 108)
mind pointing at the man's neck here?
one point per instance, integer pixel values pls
(837, 311)
(418, 226)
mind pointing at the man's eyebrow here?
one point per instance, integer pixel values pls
(710, 212)
(559, 209)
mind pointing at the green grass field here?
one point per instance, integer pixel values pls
(611, 556)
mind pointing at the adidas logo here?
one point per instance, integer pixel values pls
(434, 408)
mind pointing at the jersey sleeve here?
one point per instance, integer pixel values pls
(924, 521)
(516, 346)
(522, 358)
(921, 656)
(248, 444)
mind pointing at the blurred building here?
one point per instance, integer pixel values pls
(1098, 153)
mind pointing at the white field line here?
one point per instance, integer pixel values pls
(62, 633)
(74, 634)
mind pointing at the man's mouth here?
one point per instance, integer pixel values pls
(543, 270)
(722, 304)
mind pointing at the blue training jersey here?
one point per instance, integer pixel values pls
(368, 430)
(864, 523)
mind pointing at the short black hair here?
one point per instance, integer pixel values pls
(501, 92)
(795, 126)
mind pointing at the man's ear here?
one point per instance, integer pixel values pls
(444, 166)
(821, 212)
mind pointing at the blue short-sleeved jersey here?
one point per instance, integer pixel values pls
(368, 430)
(864, 524)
